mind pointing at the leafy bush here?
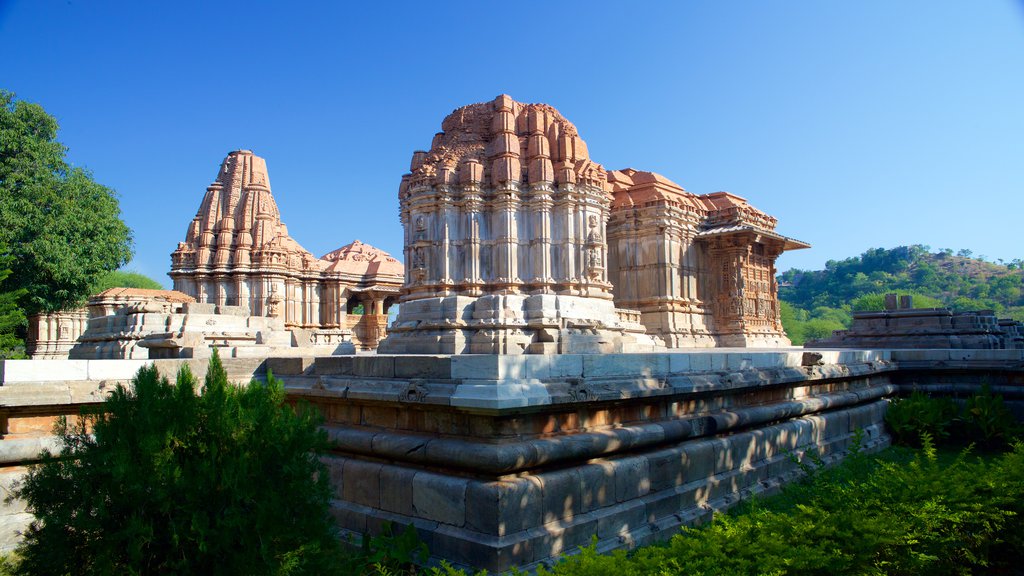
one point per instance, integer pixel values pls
(162, 480)
(124, 279)
(986, 420)
(876, 301)
(909, 418)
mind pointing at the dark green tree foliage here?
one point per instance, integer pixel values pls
(63, 229)
(11, 316)
(173, 482)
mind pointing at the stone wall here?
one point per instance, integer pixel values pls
(34, 393)
(502, 460)
(903, 326)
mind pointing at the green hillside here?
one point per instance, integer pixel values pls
(815, 302)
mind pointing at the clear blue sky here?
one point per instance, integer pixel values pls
(858, 124)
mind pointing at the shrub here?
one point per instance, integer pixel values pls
(173, 482)
(909, 418)
(987, 421)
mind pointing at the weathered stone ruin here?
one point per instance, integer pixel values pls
(51, 335)
(519, 243)
(237, 252)
(131, 323)
(901, 325)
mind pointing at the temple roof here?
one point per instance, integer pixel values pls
(143, 293)
(493, 143)
(362, 259)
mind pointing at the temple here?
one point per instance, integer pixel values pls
(504, 224)
(700, 269)
(520, 243)
(237, 252)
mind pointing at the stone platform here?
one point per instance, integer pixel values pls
(504, 461)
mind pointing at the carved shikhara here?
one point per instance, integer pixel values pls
(519, 242)
(237, 252)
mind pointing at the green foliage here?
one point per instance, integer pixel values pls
(934, 279)
(909, 419)
(124, 279)
(987, 420)
(174, 482)
(876, 301)
(62, 229)
(983, 419)
(387, 553)
(802, 325)
(12, 318)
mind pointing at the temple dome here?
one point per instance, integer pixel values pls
(362, 259)
(513, 142)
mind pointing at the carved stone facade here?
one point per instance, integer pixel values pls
(52, 335)
(237, 252)
(518, 242)
(700, 269)
(504, 224)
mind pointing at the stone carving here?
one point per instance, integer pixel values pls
(130, 323)
(700, 269)
(52, 335)
(273, 303)
(237, 252)
(513, 185)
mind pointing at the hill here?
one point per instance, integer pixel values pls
(815, 302)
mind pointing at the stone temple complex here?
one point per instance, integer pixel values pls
(517, 242)
(237, 252)
(581, 356)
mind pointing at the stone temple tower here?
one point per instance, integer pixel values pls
(504, 222)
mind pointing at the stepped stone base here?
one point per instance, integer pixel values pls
(513, 324)
(502, 461)
(511, 460)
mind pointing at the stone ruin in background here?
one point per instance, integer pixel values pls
(134, 323)
(237, 252)
(517, 242)
(901, 325)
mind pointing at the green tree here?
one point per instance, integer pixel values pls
(124, 279)
(62, 229)
(162, 480)
(12, 319)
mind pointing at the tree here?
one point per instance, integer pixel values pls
(11, 317)
(62, 229)
(162, 480)
(124, 279)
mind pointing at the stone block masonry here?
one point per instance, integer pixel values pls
(510, 461)
(502, 461)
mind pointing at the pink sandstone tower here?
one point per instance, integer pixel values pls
(237, 252)
(518, 242)
(504, 224)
